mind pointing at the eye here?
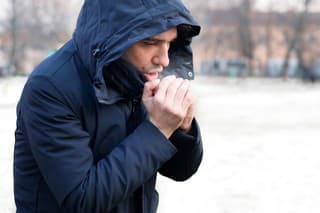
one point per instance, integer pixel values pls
(150, 42)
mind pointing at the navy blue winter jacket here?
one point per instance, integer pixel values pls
(82, 145)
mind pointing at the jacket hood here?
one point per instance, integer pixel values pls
(106, 29)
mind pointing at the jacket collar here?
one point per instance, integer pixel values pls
(122, 81)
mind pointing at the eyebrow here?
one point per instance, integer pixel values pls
(153, 39)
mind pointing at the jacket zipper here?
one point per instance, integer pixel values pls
(135, 103)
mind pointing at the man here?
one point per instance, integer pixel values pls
(95, 123)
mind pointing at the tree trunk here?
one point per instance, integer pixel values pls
(14, 65)
(297, 36)
(268, 39)
(246, 46)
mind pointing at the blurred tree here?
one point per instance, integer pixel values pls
(269, 32)
(246, 45)
(36, 25)
(242, 12)
(294, 43)
(13, 28)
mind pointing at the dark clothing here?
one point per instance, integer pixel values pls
(82, 143)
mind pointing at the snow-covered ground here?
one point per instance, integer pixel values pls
(10, 89)
(261, 151)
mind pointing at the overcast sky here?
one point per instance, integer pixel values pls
(283, 5)
(280, 5)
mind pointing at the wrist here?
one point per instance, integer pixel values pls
(167, 132)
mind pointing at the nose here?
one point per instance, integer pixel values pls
(162, 57)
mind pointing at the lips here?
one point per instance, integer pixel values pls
(150, 75)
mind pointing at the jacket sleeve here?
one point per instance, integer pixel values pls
(61, 149)
(188, 158)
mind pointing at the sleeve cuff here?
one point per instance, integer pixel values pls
(183, 140)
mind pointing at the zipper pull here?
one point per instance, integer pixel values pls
(134, 104)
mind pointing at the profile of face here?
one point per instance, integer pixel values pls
(150, 55)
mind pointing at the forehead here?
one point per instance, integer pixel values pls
(168, 35)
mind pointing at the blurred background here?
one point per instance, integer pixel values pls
(258, 100)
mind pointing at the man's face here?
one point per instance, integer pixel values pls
(150, 55)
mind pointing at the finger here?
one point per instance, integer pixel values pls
(172, 90)
(181, 93)
(188, 100)
(163, 86)
(187, 122)
(149, 87)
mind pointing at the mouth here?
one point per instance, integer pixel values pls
(150, 76)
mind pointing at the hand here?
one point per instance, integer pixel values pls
(167, 103)
(187, 121)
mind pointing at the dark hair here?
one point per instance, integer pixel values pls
(187, 31)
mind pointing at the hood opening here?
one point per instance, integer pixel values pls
(106, 29)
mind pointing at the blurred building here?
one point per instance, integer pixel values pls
(271, 33)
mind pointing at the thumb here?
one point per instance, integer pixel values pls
(149, 88)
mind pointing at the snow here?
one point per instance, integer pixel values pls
(261, 151)
(10, 89)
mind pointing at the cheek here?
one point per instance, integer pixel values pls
(143, 60)
(140, 57)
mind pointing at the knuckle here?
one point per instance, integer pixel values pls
(168, 79)
(147, 85)
(189, 99)
(180, 114)
(184, 88)
(157, 100)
